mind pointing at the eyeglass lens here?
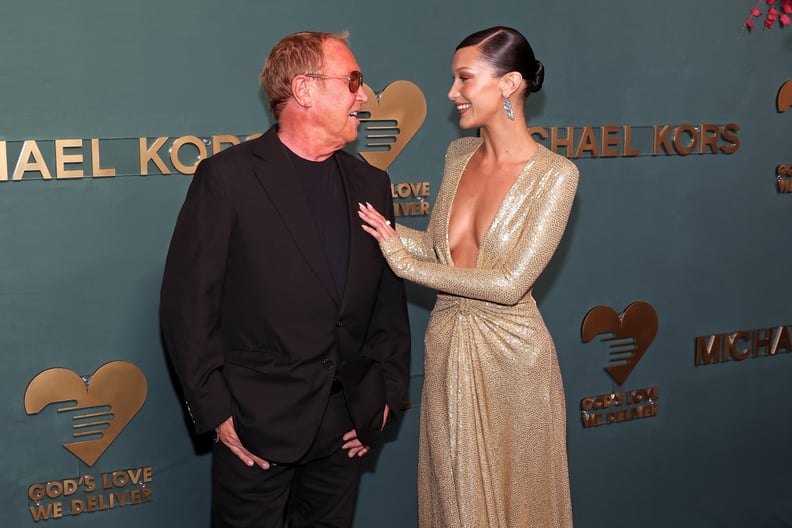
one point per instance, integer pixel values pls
(355, 80)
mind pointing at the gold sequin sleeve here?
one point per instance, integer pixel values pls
(416, 242)
(530, 223)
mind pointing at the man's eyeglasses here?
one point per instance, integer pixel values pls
(355, 79)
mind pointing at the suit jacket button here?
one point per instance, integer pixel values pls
(339, 323)
(328, 363)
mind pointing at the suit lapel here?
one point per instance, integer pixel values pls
(355, 193)
(285, 189)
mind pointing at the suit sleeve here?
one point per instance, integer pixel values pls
(388, 338)
(191, 295)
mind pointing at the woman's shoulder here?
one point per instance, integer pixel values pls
(557, 161)
(462, 146)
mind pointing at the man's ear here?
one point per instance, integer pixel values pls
(302, 91)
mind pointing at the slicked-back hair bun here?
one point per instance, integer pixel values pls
(507, 50)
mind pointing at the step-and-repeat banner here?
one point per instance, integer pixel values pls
(668, 298)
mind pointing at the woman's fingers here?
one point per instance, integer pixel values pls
(378, 226)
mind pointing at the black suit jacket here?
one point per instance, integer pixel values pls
(250, 313)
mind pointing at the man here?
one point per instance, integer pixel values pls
(287, 330)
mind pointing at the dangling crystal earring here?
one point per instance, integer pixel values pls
(508, 107)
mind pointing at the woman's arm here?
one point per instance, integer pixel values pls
(417, 243)
(509, 282)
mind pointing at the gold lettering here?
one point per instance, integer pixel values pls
(405, 190)
(61, 159)
(628, 150)
(3, 162)
(782, 340)
(135, 475)
(418, 208)
(709, 138)
(30, 148)
(592, 419)
(77, 506)
(120, 479)
(729, 133)
(36, 492)
(724, 347)
(538, 131)
(219, 141)
(148, 154)
(96, 164)
(762, 342)
(609, 139)
(616, 416)
(402, 190)
(52, 510)
(691, 146)
(709, 350)
(739, 336)
(661, 139)
(102, 505)
(122, 498)
(646, 411)
(69, 486)
(178, 144)
(54, 489)
(588, 143)
(556, 142)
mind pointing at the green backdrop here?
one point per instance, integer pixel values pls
(703, 238)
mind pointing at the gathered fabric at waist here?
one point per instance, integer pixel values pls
(447, 301)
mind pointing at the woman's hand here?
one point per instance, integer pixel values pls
(378, 226)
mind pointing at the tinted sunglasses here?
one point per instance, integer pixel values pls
(355, 79)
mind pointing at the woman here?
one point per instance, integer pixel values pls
(493, 424)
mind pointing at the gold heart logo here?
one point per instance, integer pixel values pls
(395, 115)
(103, 406)
(784, 98)
(631, 333)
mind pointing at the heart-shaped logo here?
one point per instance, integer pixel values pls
(104, 405)
(395, 115)
(784, 98)
(630, 334)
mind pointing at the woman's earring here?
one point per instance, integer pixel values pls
(508, 107)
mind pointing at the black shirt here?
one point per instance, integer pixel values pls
(324, 192)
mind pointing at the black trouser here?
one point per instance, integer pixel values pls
(319, 491)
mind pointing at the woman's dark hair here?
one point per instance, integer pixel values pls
(507, 50)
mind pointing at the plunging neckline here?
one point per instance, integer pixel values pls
(508, 192)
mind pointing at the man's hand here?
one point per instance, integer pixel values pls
(385, 416)
(353, 443)
(226, 433)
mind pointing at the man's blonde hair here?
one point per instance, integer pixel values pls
(297, 54)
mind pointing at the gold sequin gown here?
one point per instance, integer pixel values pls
(493, 424)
